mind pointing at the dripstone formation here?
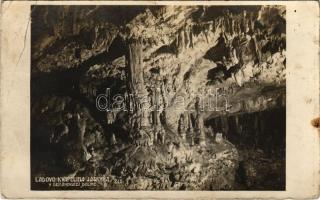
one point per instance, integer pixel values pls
(159, 97)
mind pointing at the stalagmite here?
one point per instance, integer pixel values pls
(219, 138)
(110, 117)
(238, 77)
(200, 130)
(182, 127)
(181, 42)
(113, 140)
(137, 84)
(190, 135)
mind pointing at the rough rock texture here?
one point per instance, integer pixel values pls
(183, 51)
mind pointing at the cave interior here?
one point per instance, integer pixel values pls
(122, 92)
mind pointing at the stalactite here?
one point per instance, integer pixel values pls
(226, 24)
(238, 26)
(191, 36)
(186, 36)
(213, 25)
(237, 121)
(181, 41)
(231, 23)
(225, 124)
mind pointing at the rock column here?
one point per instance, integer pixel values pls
(137, 85)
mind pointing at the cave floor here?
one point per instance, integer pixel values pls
(168, 166)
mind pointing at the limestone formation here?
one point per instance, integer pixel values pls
(163, 71)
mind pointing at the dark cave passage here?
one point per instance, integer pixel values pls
(260, 139)
(263, 130)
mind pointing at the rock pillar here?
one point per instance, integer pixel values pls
(136, 82)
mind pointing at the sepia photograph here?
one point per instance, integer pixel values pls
(158, 97)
